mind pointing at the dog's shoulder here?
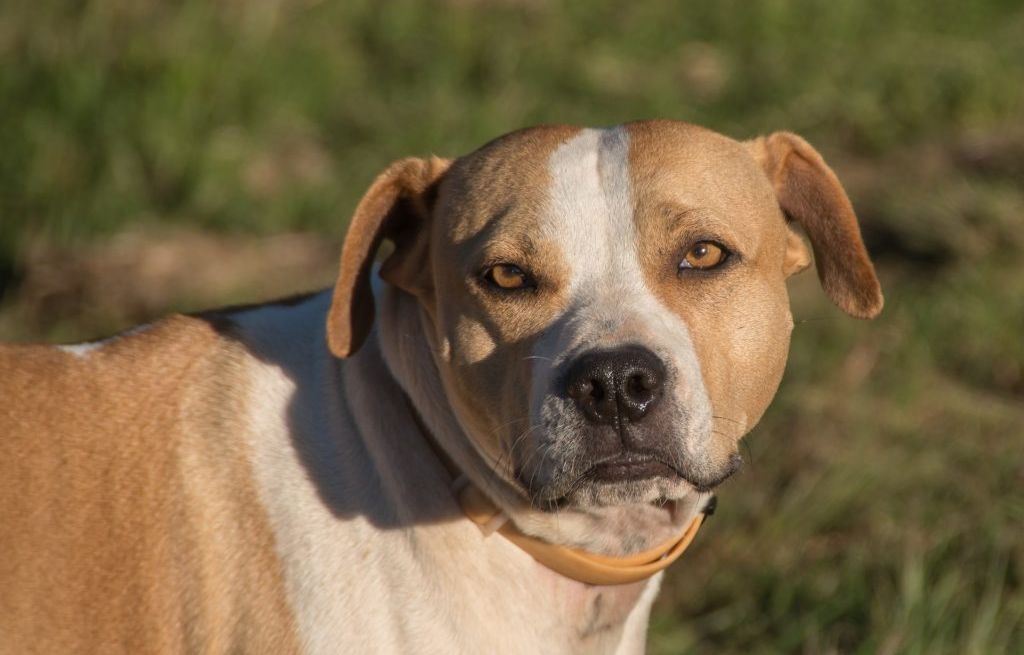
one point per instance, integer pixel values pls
(109, 448)
(144, 357)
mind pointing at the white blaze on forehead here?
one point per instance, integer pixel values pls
(590, 217)
(590, 213)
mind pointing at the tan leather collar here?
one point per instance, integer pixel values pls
(578, 565)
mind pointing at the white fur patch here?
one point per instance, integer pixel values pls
(83, 349)
(289, 340)
(590, 213)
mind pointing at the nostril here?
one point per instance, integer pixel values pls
(580, 389)
(639, 389)
(639, 384)
(587, 391)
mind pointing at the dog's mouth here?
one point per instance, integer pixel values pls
(630, 467)
(627, 476)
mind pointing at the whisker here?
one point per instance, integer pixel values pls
(505, 425)
(816, 318)
(543, 451)
(507, 454)
(726, 418)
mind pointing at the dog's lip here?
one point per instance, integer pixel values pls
(633, 468)
(630, 466)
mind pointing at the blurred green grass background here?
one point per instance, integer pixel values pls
(165, 156)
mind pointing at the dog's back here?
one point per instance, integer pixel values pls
(98, 549)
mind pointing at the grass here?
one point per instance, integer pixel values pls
(273, 115)
(881, 507)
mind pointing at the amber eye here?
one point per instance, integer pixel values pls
(704, 255)
(508, 276)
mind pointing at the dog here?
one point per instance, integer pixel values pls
(574, 329)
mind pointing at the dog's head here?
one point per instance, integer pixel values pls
(608, 308)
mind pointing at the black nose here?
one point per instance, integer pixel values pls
(616, 386)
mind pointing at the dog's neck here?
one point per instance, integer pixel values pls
(404, 331)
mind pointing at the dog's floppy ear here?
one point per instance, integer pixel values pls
(809, 193)
(397, 206)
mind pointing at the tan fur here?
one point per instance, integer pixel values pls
(809, 192)
(797, 258)
(394, 207)
(516, 165)
(739, 317)
(128, 519)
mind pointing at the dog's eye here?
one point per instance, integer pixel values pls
(508, 276)
(704, 255)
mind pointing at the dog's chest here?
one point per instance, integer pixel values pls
(595, 619)
(409, 594)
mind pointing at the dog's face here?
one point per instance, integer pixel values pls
(608, 307)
